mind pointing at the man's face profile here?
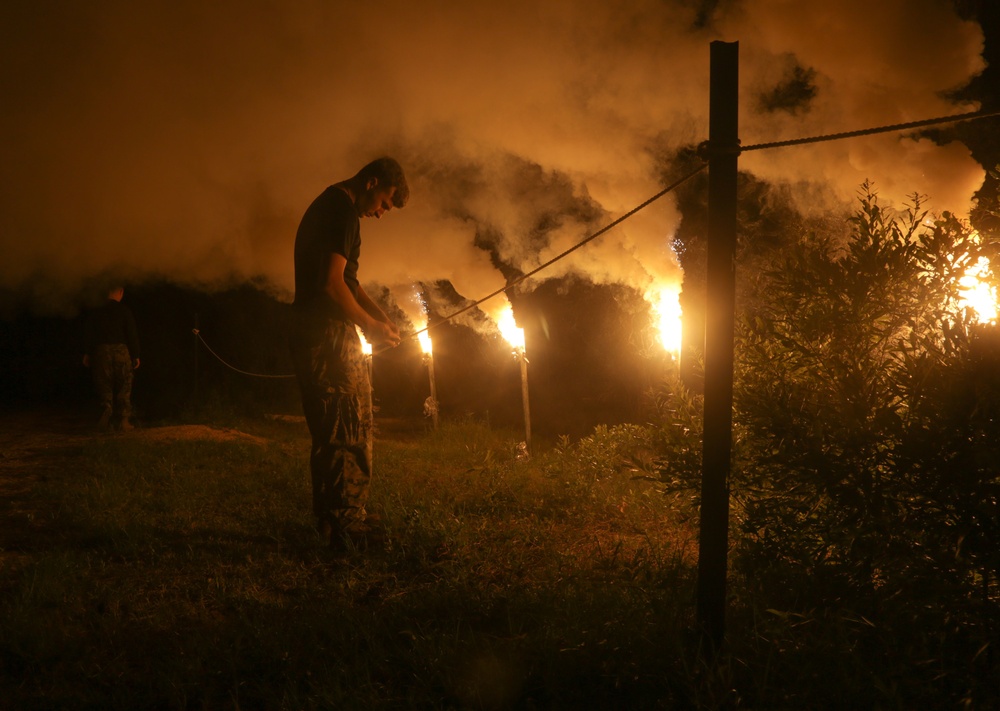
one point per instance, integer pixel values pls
(376, 200)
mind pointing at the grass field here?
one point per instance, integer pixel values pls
(178, 568)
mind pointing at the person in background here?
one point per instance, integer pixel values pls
(326, 350)
(111, 343)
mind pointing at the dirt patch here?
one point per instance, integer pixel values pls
(33, 441)
(45, 445)
(30, 439)
(176, 433)
(42, 445)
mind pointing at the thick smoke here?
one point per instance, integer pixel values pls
(184, 139)
(868, 64)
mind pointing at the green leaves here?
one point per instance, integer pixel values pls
(859, 394)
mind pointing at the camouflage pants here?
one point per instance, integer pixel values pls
(336, 399)
(111, 368)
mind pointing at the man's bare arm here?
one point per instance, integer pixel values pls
(369, 305)
(377, 326)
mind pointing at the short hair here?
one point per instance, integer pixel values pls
(389, 173)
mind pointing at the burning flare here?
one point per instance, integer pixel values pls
(667, 310)
(509, 329)
(366, 347)
(977, 294)
(425, 341)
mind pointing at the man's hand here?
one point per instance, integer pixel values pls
(383, 334)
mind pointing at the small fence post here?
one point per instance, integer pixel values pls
(196, 349)
(522, 356)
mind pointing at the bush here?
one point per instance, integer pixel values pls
(605, 452)
(677, 415)
(866, 408)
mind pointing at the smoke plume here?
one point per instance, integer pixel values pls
(184, 139)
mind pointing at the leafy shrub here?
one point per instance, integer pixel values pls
(867, 415)
(676, 413)
(605, 452)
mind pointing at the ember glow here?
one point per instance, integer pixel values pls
(977, 293)
(667, 311)
(509, 329)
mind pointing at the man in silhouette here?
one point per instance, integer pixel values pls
(112, 354)
(326, 350)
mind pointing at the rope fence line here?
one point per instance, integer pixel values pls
(704, 150)
(524, 277)
(970, 116)
(201, 338)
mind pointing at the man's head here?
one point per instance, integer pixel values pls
(380, 186)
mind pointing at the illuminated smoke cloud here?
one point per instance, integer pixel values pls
(185, 139)
(864, 64)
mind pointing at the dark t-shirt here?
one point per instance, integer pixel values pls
(329, 226)
(111, 324)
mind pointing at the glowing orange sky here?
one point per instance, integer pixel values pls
(184, 139)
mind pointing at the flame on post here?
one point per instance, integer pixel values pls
(366, 347)
(425, 342)
(667, 312)
(509, 329)
(431, 403)
(977, 294)
(515, 337)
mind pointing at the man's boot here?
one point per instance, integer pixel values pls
(358, 535)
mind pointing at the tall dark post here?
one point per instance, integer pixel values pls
(197, 347)
(723, 143)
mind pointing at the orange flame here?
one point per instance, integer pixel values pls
(977, 294)
(425, 341)
(366, 347)
(666, 305)
(509, 329)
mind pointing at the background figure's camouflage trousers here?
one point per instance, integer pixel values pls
(336, 398)
(111, 367)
